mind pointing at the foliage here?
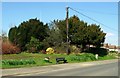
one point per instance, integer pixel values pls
(34, 45)
(83, 57)
(80, 33)
(8, 48)
(49, 50)
(18, 62)
(99, 51)
(13, 35)
(22, 34)
(55, 37)
(96, 36)
(61, 49)
(74, 49)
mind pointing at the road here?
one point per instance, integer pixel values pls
(97, 68)
(110, 69)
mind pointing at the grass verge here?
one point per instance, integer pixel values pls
(30, 60)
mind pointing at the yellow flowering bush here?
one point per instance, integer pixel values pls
(50, 50)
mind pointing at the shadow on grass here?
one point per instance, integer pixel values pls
(99, 51)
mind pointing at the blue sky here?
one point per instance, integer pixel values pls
(13, 13)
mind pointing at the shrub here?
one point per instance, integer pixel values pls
(8, 48)
(74, 49)
(49, 50)
(34, 45)
(99, 51)
(43, 51)
(61, 49)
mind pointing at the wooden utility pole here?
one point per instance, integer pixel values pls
(67, 27)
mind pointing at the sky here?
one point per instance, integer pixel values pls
(13, 13)
(59, 0)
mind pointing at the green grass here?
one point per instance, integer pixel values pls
(23, 59)
(38, 58)
(109, 56)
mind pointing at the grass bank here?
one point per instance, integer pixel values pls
(30, 60)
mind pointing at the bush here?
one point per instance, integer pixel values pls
(61, 49)
(34, 45)
(99, 51)
(74, 49)
(43, 51)
(8, 48)
(18, 62)
(49, 50)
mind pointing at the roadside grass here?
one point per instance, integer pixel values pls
(14, 60)
(109, 56)
(38, 58)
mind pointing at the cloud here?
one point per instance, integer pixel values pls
(109, 34)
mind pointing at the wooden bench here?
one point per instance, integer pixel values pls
(61, 59)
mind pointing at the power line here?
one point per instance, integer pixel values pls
(98, 12)
(92, 19)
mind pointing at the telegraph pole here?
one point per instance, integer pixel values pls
(67, 27)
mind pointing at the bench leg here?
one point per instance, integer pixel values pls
(56, 62)
(65, 61)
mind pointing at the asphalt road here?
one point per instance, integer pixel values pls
(110, 69)
(93, 69)
(97, 68)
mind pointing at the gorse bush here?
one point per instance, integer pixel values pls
(18, 62)
(49, 50)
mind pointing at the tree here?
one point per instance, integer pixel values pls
(76, 32)
(74, 23)
(80, 33)
(55, 38)
(96, 36)
(27, 29)
(13, 35)
(80, 37)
